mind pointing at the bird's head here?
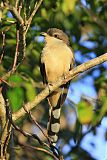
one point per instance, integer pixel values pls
(55, 34)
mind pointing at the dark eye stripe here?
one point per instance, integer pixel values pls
(55, 35)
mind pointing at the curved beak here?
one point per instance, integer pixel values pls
(43, 33)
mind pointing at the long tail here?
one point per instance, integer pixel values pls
(54, 121)
(55, 100)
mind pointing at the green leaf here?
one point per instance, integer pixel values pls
(15, 97)
(15, 94)
(15, 80)
(30, 91)
(85, 112)
(68, 6)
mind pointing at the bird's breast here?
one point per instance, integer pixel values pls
(57, 61)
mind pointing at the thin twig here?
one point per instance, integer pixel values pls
(3, 81)
(36, 123)
(26, 134)
(39, 149)
(20, 6)
(15, 14)
(16, 4)
(36, 7)
(16, 53)
(17, 37)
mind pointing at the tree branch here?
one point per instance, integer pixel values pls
(36, 7)
(49, 89)
(3, 46)
(15, 14)
(39, 149)
(2, 111)
(16, 52)
(36, 123)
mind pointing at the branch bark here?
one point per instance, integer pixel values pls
(15, 14)
(3, 46)
(39, 149)
(49, 89)
(5, 131)
(2, 111)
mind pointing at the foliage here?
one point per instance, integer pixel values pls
(85, 22)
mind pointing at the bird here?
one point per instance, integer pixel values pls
(56, 60)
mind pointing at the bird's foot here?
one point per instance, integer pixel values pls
(65, 75)
(49, 86)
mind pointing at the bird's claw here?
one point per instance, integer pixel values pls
(49, 86)
(65, 75)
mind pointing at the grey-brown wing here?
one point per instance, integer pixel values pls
(66, 86)
(43, 72)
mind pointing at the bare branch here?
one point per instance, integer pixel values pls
(49, 89)
(5, 136)
(39, 149)
(15, 14)
(22, 43)
(36, 7)
(16, 4)
(2, 110)
(36, 123)
(26, 134)
(16, 53)
(5, 139)
(20, 6)
(3, 46)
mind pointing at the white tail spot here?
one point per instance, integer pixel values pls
(54, 138)
(55, 127)
(56, 113)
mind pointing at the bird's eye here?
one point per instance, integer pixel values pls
(55, 35)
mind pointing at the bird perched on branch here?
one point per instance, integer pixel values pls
(56, 60)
